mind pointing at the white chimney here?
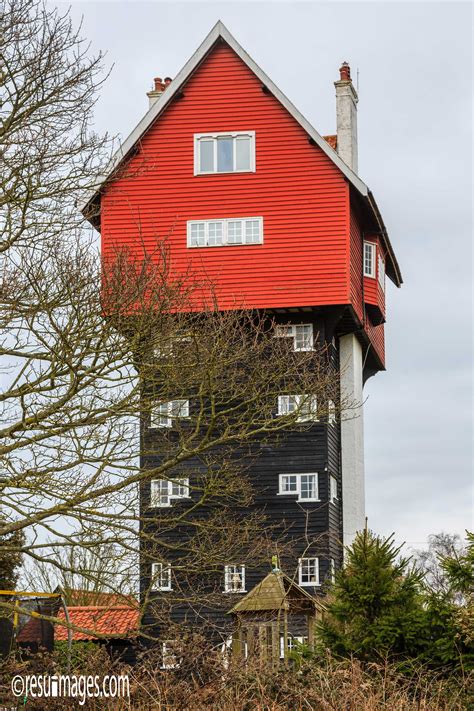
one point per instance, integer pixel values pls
(346, 114)
(158, 88)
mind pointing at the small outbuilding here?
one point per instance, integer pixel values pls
(272, 616)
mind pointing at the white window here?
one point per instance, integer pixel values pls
(305, 404)
(332, 488)
(291, 644)
(163, 414)
(332, 570)
(331, 412)
(301, 333)
(164, 491)
(169, 659)
(305, 486)
(369, 259)
(164, 347)
(219, 233)
(234, 578)
(308, 571)
(381, 270)
(161, 576)
(224, 152)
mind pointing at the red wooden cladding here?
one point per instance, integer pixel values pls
(300, 194)
(305, 259)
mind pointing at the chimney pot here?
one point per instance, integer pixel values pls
(345, 72)
(346, 114)
(158, 82)
(167, 81)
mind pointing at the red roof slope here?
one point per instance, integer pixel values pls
(120, 620)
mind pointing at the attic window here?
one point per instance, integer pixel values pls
(224, 153)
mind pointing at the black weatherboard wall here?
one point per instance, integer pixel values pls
(297, 528)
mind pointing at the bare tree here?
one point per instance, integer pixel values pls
(91, 351)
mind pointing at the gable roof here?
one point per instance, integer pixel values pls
(220, 33)
(275, 592)
(118, 621)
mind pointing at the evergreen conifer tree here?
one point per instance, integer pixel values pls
(375, 609)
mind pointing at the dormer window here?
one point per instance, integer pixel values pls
(369, 259)
(224, 152)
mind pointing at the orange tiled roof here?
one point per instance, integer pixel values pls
(121, 620)
(332, 140)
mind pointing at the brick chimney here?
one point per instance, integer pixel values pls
(159, 85)
(346, 114)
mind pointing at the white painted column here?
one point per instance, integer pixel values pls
(352, 438)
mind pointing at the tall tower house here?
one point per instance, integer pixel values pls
(277, 215)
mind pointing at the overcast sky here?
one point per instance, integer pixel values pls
(415, 152)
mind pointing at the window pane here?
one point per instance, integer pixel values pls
(309, 571)
(284, 331)
(160, 415)
(159, 493)
(234, 578)
(180, 408)
(289, 484)
(242, 153)
(206, 155)
(304, 337)
(293, 402)
(308, 486)
(215, 233)
(252, 231)
(234, 232)
(225, 161)
(198, 234)
(369, 265)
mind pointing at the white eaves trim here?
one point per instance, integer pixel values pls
(220, 31)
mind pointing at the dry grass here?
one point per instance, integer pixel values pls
(202, 683)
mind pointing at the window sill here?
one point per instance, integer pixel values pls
(199, 174)
(298, 500)
(227, 244)
(233, 592)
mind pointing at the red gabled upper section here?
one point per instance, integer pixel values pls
(315, 210)
(301, 195)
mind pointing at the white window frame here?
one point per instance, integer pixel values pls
(331, 412)
(168, 657)
(156, 488)
(282, 492)
(161, 572)
(284, 402)
(290, 330)
(301, 561)
(224, 134)
(332, 489)
(166, 349)
(168, 415)
(381, 271)
(290, 640)
(372, 247)
(332, 570)
(225, 232)
(230, 570)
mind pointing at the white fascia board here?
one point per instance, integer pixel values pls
(220, 31)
